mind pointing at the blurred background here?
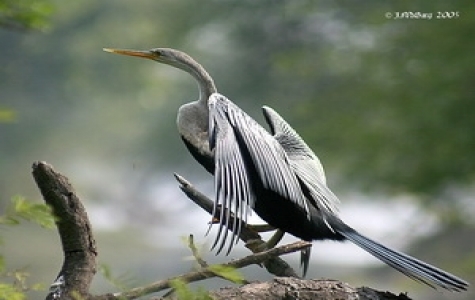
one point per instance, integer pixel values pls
(385, 100)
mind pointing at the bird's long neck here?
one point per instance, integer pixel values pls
(193, 116)
(205, 82)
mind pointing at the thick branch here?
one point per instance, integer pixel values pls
(291, 288)
(253, 241)
(78, 243)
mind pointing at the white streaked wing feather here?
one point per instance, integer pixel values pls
(233, 190)
(303, 160)
(319, 191)
(231, 128)
(269, 158)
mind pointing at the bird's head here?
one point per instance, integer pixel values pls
(167, 56)
(176, 59)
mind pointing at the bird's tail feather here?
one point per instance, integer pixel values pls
(410, 266)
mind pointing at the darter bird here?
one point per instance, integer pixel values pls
(273, 173)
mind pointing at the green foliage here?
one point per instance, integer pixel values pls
(10, 292)
(25, 14)
(21, 208)
(18, 286)
(183, 292)
(227, 272)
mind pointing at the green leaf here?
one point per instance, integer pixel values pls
(34, 212)
(9, 220)
(227, 272)
(25, 14)
(10, 292)
(182, 291)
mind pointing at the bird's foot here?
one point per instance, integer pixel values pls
(275, 239)
(259, 246)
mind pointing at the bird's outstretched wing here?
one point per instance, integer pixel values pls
(303, 161)
(307, 167)
(245, 152)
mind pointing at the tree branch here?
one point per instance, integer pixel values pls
(253, 241)
(74, 229)
(205, 273)
(291, 288)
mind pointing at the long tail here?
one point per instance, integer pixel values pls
(410, 266)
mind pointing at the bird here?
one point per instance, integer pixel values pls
(273, 173)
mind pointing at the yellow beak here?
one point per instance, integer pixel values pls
(144, 54)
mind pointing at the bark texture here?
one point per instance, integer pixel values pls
(291, 288)
(79, 246)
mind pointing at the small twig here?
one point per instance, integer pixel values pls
(252, 240)
(77, 240)
(205, 273)
(200, 260)
(195, 252)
